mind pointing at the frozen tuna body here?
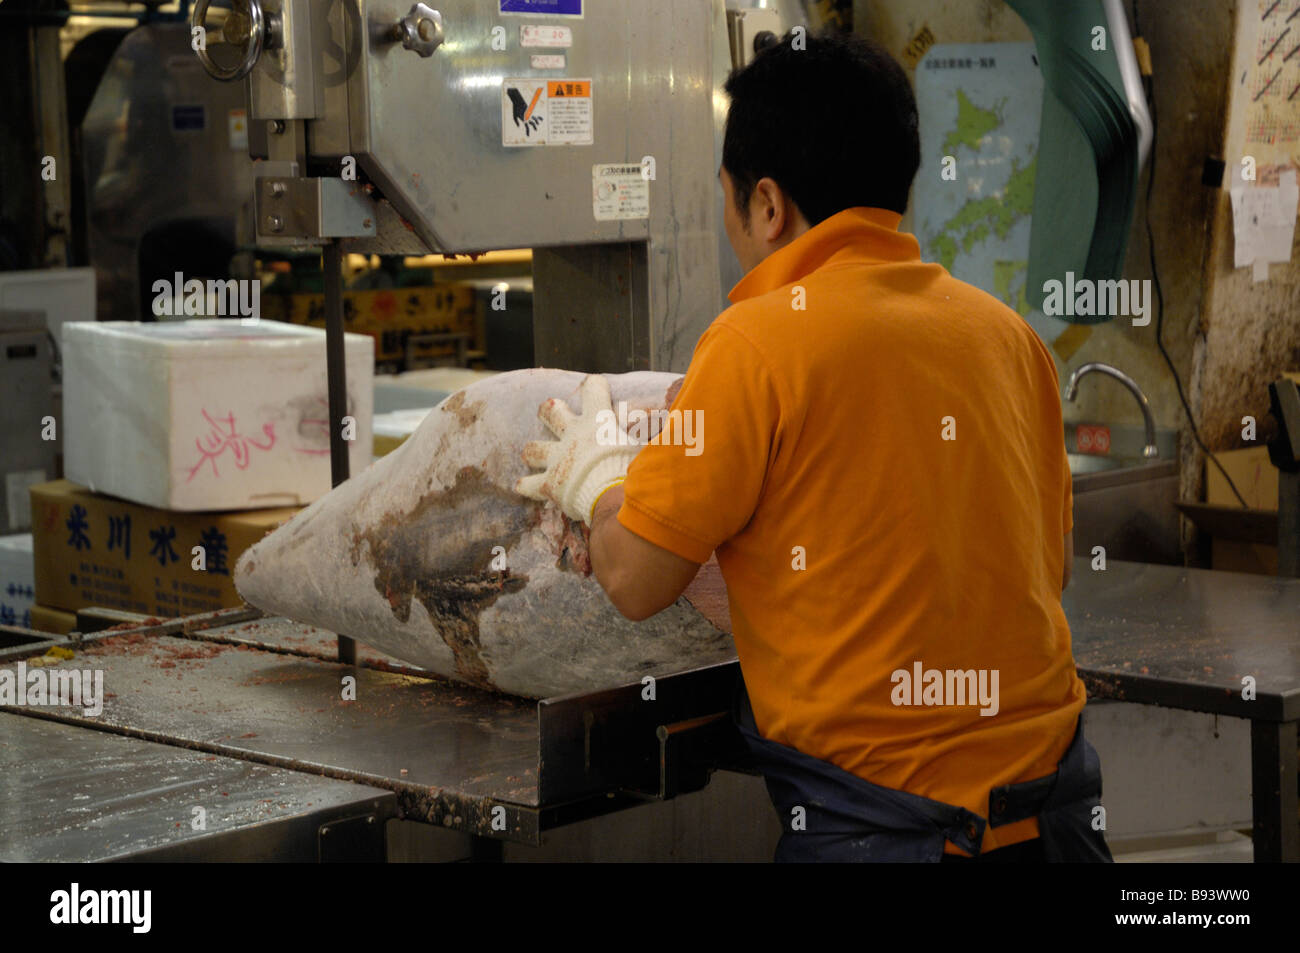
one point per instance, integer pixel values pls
(429, 555)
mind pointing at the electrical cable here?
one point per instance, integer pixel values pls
(1148, 87)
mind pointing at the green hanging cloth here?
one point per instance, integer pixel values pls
(1087, 177)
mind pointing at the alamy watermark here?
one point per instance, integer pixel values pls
(77, 906)
(955, 687)
(56, 687)
(676, 428)
(229, 297)
(1084, 297)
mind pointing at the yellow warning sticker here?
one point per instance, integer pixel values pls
(540, 112)
(558, 88)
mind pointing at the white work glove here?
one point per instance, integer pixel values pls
(578, 469)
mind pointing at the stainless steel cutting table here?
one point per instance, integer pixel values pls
(74, 795)
(1190, 639)
(254, 691)
(268, 691)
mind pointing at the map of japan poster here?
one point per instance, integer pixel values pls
(980, 106)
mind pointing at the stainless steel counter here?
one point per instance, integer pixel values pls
(1193, 639)
(246, 695)
(73, 795)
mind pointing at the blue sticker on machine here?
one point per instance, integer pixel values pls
(189, 118)
(556, 8)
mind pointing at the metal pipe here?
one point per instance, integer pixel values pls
(1072, 390)
(336, 370)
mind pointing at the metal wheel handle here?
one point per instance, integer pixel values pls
(262, 34)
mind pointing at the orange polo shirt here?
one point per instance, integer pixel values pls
(879, 463)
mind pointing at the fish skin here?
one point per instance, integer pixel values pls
(400, 557)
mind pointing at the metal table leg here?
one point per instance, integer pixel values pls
(1273, 791)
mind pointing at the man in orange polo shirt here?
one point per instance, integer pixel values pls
(884, 481)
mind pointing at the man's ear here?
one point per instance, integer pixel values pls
(771, 211)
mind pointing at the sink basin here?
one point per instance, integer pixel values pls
(1088, 463)
(1123, 501)
(1125, 505)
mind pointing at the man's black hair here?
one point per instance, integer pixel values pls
(834, 124)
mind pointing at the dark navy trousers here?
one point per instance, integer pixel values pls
(828, 814)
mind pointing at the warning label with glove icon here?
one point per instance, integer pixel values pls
(546, 112)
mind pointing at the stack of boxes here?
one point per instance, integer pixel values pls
(17, 583)
(185, 443)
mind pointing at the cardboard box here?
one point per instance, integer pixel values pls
(1230, 555)
(1257, 480)
(94, 550)
(17, 580)
(45, 619)
(207, 415)
(391, 316)
(1252, 472)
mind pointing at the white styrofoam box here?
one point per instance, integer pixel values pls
(423, 388)
(17, 580)
(400, 423)
(207, 414)
(64, 294)
(445, 379)
(393, 399)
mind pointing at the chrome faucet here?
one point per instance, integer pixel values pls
(1072, 389)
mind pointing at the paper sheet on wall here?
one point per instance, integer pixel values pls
(1263, 223)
